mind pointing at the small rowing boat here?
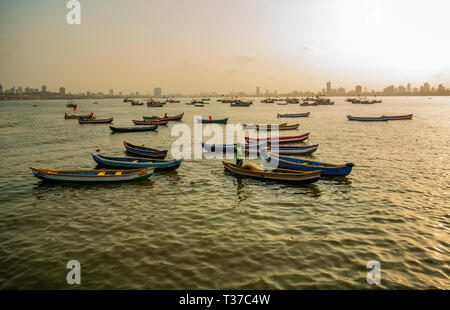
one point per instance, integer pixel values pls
(92, 175)
(198, 105)
(136, 162)
(293, 115)
(165, 118)
(95, 121)
(73, 116)
(254, 171)
(133, 128)
(71, 105)
(216, 121)
(144, 151)
(151, 123)
(282, 150)
(397, 117)
(286, 139)
(271, 127)
(292, 163)
(366, 119)
(240, 104)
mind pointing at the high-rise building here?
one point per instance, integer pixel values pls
(328, 87)
(62, 91)
(44, 89)
(426, 87)
(1, 89)
(358, 89)
(157, 92)
(408, 87)
(111, 92)
(257, 91)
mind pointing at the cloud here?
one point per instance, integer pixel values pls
(309, 48)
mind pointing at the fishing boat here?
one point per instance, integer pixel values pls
(397, 117)
(154, 105)
(172, 101)
(199, 105)
(292, 100)
(324, 101)
(268, 100)
(216, 121)
(71, 105)
(136, 162)
(272, 127)
(146, 123)
(292, 163)
(282, 150)
(165, 118)
(240, 104)
(306, 103)
(95, 121)
(293, 115)
(286, 139)
(133, 128)
(145, 151)
(73, 116)
(254, 171)
(136, 103)
(92, 175)
(366, 119)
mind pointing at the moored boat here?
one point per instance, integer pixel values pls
(254, 171)
(73, 116)
(366, 119)
(292, 163)
(282, 150)
(165, 118)
(216, 121)
(144, 151)
(397, 117)
(271, 127)
(149, 122)
(136, 162)
(95, 121)
(293, 115)
(133, 128)
(285, 139)
(240, 104)
(92, 175)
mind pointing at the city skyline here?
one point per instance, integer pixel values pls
(285, 45)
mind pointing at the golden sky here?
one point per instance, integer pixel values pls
(227, 45)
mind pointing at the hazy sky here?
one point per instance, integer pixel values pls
(228, 45)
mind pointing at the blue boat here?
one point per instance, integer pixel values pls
(144, 151)
(216, 121)
(292, 163)
(135, 162)
(366, 119)
(230, 147)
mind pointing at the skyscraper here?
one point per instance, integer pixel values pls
(408, 87)
(328, 87)
(358, 89)
(426, 87)
(111, 92)
(1, 89)
(44, 89)
(62, 91)
(257, 91)
(157, 92)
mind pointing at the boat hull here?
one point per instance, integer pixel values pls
(144, 151)
(213, 121)
(398, 117)
(136, 163)
(293, 115)
(287, 139)
(366, 119)
(132, 129)
(95, 121)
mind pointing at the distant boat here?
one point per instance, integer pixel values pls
(366, 119)
(95, 121)
(155, 122)
(199, 105)
(240, 104)
(217, 121)
(135, 162)
(133, 128)
(95, 102)
(293, 115)
(145, 151)
(73, 116)
(397, 117)
(270, 127)
(292, 100)
(71, 105)
(285, 139)
(165, 118)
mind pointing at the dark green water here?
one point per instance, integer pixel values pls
(221, 232)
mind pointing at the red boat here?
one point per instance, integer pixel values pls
(152, 123)
(280, 139)
(165, 118)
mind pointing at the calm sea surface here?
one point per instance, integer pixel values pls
(220, 232)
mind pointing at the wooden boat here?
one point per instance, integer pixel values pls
(286, 139)
(292, 163)
(305, 103)
(154, 104)
(95, 121)
(255, 171)
(324, 102)
(144, 151)
(199, 105)
(133, 128)
(216, 121)
(71, 105)
(73, 116)
(282, 150)
(172, 101)
(271, 127)
(165, 118)
(136, 103)
(292, 100)
(136, 162)
(240, 104)
(366, 119)
(147, 123)
(293, 115)
(397, 117)
(92, 175)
